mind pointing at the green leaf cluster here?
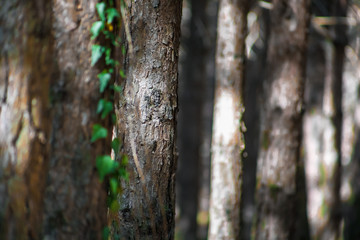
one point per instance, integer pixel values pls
(109, 170)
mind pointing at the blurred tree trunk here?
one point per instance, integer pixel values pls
(75, 206)
(258, 38)
(333, 97)
(278, 166)
(25, 71)
(147, 120)
(323, 124)
(350, 189)
(191, 97)
(228, 142)
(207, 118)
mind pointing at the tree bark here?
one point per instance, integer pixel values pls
(227, 140)
(147, 120)
(75, 206)
(278, 165)
(25, 71)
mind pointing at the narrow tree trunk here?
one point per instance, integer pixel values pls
(323, 131)
(350, 189)
(253, 88)
(25, 71)
(228, 142)
(282, 121)
(75, 206)
(191, 98)
(207, 118)
(336, 113)
(147, 120)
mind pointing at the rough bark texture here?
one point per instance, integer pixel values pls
(228, 142)
(191, 97)
(75, 206)
(25, 71)
(147, 120)
(280, 140)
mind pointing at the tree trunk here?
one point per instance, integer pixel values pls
(278, 165)
(147, 120)
(323, 127)
(228, 142)
(25, 71)
(75, 206)
(191, 98)
(258, 31)
(350, 189)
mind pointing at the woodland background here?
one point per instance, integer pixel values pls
(170, 119)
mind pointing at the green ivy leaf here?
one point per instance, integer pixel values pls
(104, 78)
(117, 88)
(100, 106)
(123, 174)
(113, 118)
(114, 186)
(96, 29)
(125, 160)
(105, 165)
(104, 107)
(111, 14)
(115, 43)
(108, 107)
(108, 59)
(114, 206)
(100, 7)
(96, 53)
(106, 233)
(122, 74)
(109, 35)
(123, 50)
(115, 145)
(98, 132)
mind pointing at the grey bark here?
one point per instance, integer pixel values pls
(278, 166)
(25, 71)
(227, 140)
(147, 120)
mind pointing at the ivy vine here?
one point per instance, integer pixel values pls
(109, 170)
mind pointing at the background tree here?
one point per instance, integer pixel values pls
(256, 45)
(278, 165)
(75, 206)
(324, 119)
(147, 120)
(192, 83)
(227, 141)
(25, 71)
(350, 189)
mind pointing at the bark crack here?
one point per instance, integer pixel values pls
(18, 130)
(7, 76)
